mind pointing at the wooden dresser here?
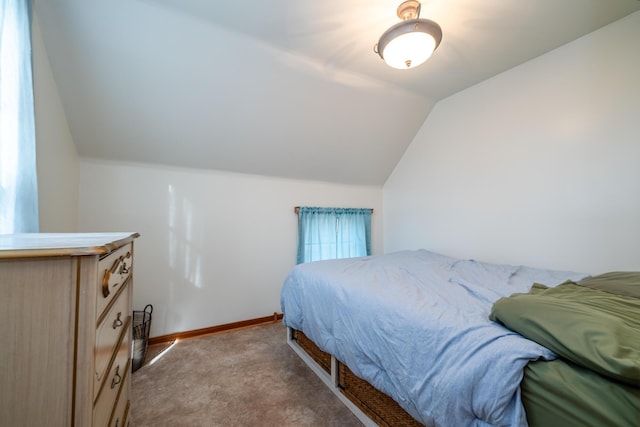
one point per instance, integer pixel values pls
(65, 329)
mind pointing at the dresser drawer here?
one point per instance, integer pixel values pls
(113, 270)
(120, 416)
(116, 323)
(118, 375)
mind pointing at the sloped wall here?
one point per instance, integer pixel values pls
(539, 165)
(57, 160)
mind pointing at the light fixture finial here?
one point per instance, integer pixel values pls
(409, 9)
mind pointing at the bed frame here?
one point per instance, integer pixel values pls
(368, 404)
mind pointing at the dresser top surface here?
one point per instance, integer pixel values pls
(62, 244)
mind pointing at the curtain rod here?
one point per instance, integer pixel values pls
(296, 209)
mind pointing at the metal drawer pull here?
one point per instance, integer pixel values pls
(124, 269)
(114, 268)
(117, 323)
(116, 379)
(105, 283)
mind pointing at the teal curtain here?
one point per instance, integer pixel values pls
(18, 181)
(329, 233)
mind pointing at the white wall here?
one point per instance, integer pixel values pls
(539, 165)
(215, 247)
(57, 160)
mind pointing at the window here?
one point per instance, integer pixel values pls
(18, 183)
(329, 233)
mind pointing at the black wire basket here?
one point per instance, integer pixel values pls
(141, 328)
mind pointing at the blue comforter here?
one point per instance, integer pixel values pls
(415, 325)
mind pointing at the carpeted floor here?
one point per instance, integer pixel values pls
(249, 377)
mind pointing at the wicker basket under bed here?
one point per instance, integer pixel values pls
(382, 409)
(321, 358)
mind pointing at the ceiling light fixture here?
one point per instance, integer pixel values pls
(410, 42)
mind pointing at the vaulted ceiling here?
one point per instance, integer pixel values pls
(287, 88)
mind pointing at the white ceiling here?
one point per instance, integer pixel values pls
(287, 88)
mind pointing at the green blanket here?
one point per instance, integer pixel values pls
(582, 323)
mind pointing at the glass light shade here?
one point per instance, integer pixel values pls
(409, 50)
(409, 43)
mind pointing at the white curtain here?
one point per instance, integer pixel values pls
(18, 181)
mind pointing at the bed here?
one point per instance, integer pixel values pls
(436, 337)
